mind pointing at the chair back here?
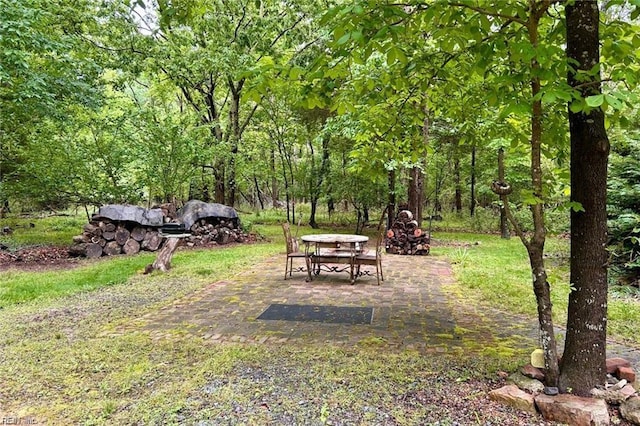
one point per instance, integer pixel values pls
(292, 243)
(380, 242)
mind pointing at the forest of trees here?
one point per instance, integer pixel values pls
(336, 105)
(359, 104)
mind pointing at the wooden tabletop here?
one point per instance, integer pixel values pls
(334, 238)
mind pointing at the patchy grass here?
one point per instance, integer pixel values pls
(195, 265)
(499, 271)
(61, 366)
(133, 380)
(22, 286)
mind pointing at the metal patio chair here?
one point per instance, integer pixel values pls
(372, 259)
(293, 252)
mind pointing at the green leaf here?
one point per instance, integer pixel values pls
(577, 106)
(595, 100)
(575, 206)
(492, 98)
(356, 35)
(344, 39)
(295, 73)
(391, 56)
(613, 102)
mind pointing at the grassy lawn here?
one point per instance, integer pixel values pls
(37, 230)
(496, 271)
(59, 366)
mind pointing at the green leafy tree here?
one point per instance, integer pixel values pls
(45, 78)
(516, 51)
(216, 54)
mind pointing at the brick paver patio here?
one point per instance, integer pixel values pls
(416, 307)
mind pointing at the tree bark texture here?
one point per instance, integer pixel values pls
(458, 197)
(535, 246)
(415, 193)
(504, 224)
(275, 189)
(472, 206)
(163, 260)
(583, 362)
(391, 203)
(316, 186)
(415, 196)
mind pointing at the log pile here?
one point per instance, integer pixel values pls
(214, 230)
(405, 237)
(106, 237)
(119, 229)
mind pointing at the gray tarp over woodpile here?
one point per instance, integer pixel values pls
(120, 212)
(194, 210)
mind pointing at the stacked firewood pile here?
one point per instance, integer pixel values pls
(107, 237)
(405, 237)
(213, 230)
(120, 229)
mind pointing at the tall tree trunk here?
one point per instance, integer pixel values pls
(504, 224)
(416, 180)
(275, 192)
(472, 207)
(258, 191)
(234, 139)
(391, 203)
(219, 191)
(458, 196)
(415, 193)
(536, 244)
(316, 187)
(583, 362)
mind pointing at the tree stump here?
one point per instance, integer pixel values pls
(163, 261)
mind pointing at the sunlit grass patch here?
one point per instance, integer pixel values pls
(55, 230)
(22, 286)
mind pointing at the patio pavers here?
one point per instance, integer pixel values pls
(415, 308)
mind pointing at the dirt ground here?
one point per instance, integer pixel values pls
(38, 258)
